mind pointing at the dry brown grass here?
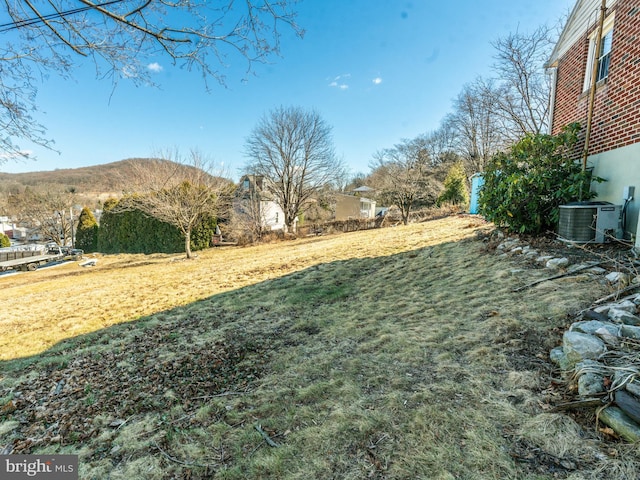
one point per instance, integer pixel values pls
(394, 354)
(52, 304)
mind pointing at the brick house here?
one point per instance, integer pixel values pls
(614, 147)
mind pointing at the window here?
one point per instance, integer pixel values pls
(245, 184)
(604, 59)
(605, 56)
(277, 217)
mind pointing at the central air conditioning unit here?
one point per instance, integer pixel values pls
(589, 222)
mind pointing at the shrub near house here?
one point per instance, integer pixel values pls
(525, 186)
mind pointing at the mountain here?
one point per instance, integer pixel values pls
(97, 179)
(91, 185)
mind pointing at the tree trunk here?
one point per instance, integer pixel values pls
(405, 215)
(289, 224)
(187, 243)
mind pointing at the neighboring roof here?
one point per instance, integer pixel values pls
(360, 199)
(583, 16)
(363, 188)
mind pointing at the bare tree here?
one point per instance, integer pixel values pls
(293, 149)
(489, 115)
(343, 177)
(122, 37)
(403, 176)
(248, 216)
(180, 192)
(441, 144)
(44, 211)
(523, 100)
(475, 126)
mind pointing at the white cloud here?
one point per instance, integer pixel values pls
(339, 81)
(155, 67)
(377, 81)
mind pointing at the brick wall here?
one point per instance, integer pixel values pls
(616, 120)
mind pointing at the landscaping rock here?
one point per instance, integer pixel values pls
(593, 326)
(596, 270)
(556, 263)
(508, 244)
(633, 387)
(618, 277)
(622, 316)
(627, 306)
(628, 403)
(621, 423)
(517, 250)
(593, 315)
(581, 346)
(630, 331)
(585, 365)
(558, 357)
(607, 337)
(590, 378)
(544, 259)
(590, 384)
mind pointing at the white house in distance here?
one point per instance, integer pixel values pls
(255, 200)
(6, 226)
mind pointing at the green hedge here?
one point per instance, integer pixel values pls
(135, 232)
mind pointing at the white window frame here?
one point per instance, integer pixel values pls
(591, 57)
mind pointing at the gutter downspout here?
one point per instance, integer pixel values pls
(592, 87)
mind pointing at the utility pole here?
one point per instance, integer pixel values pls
(72, 236)
(592, 86)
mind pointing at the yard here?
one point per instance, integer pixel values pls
(399, 353)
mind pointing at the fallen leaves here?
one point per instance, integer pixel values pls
(153, 373)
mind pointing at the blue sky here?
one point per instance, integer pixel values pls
(376, 70)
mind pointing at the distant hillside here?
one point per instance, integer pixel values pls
(92, 185)
(96, 179)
